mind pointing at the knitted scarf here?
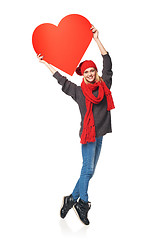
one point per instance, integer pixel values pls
(88, 133)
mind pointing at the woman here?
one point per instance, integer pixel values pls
(95, 102)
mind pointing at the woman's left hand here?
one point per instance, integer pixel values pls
(95, 32)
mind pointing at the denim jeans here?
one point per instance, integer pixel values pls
(90, 154)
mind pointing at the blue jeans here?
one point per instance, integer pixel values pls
(90, 154)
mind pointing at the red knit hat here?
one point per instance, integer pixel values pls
(84, 65)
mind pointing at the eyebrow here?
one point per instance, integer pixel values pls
(90, 70)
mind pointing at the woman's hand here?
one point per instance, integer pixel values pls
(95, 32)
(41, 58)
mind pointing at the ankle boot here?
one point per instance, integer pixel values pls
(68, 203)
(81, 208)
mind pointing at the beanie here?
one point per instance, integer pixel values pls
(84, 65)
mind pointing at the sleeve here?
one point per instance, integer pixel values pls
(107, 70)
(68, 87)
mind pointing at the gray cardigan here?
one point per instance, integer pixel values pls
(102, 117)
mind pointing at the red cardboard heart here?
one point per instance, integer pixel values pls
(65, 45)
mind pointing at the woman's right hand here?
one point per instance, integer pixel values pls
(40, 57)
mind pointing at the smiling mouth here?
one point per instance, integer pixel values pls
(90, 78)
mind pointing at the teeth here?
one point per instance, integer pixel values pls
(90, 78)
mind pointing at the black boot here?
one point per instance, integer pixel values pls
(81, 208)
(68, 203)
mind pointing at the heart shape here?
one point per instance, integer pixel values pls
(65, 45)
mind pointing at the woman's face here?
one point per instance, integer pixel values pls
(90, 74)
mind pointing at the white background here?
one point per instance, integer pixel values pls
(40, 152)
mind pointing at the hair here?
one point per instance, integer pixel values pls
(98, 78)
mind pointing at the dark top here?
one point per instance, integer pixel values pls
(102, 117)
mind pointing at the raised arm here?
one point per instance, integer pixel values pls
(96, 38)
(107, 63)
(69, 88)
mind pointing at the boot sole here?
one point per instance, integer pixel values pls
(78, 216)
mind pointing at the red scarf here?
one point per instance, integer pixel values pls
(88, 133)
